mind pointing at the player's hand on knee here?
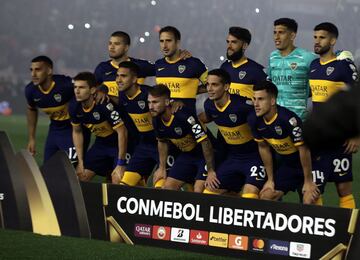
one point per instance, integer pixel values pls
(268, 190)
(159, 174)
(117, 174)
(212, 182)
(311, 192)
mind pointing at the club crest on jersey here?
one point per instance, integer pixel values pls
(293, 65)
(278, 130)
(96, 115)
(110, 107)
(242, 74)
(178, 130)
(141, 104)
(181, 68)
(329, 70)
(57, 97)
(233, 117)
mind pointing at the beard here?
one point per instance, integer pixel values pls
(236, 55)
(322, 50)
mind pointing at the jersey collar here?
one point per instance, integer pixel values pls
(271, 120)
(50, 88)
(236, 65)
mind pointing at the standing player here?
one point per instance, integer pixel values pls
(289, 68)
(328, 76)
(107, 154)
(105, 72)
(51, 93)
(243, 165)
(184, 130)
(181, 76)
(244, 72)
(277, 127)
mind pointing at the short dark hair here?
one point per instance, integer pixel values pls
(160, 90)
(240, 33)
(133, 67)
(268, 86)
(289, 23)
(222, 74)
(88, 77)
(173, 30)
(122, 35)
(44, 59)
(329, 27)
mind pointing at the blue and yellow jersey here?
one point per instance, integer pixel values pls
(283, 132)
(101, 119)
(182, 77)
(330, 77)
(105, 74)
(291, 76)
(138, 110)
(54, 101)
(231, 120)
(244, 76)
(183, 130)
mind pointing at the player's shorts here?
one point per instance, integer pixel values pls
(238, 170)
(290, 179)
(60, 139)
(101, 158)
(144, 159)
(189, 167)
(339, 164)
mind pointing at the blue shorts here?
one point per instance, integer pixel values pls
(189, 167)
(144, 159)
(101, 158)
(290, 179)
(60, 139)
(238, 170)
(339, 165)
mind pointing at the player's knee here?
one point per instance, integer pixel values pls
(199, 186)
(344, 189)
(270, 195)
(86, 176)
(172, 184)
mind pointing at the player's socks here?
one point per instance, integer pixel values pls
(159, 183)
(347, 202)
(206, 191)
(250, 195)
(319, 201)
(130, 178)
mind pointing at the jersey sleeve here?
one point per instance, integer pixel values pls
(113, 116)
(252, 122)
(349, 71)
(295, 126)
(147, 69)
(193, 123)
(202, 71)
(28, 96)
(99, 74)
(73, 106)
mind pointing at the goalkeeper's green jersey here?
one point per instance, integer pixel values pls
(291, 76)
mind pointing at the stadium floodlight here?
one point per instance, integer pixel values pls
(257, 10)
(70, 26)
(87, 25)
(147, 34)
(153, 2)
(222, 58)
(142, 39)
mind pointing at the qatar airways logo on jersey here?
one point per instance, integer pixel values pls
(281, 79)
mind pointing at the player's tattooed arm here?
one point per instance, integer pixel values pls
(212, 181)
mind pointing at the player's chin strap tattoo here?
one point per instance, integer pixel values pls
(208, 154)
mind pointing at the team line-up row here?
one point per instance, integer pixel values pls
(259, 147)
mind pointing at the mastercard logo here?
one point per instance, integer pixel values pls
(258, 243)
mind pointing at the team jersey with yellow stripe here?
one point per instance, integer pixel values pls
(105, 74)
(183, 130)
(138, 110)
(283, 132)
(182, 77)
(231, 120)
(54, 101)
(329, 77)
(244, 76)
(101, 119)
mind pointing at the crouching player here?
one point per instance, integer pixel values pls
(278, 127)
(184, 130)
(107, 154)
(243, 165)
